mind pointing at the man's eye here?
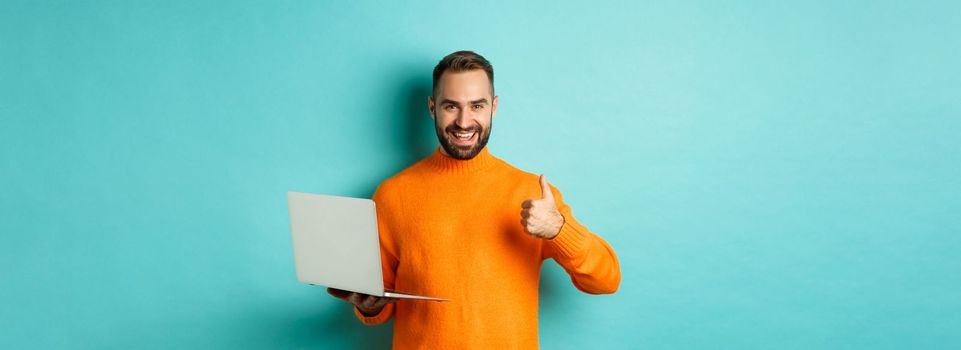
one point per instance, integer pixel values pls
(477, 107)
(450, 107)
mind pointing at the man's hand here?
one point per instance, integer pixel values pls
(368, 305)
(540, 216)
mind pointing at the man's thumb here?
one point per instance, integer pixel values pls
(546, 189)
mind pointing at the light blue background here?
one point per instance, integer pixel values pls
(772, 175)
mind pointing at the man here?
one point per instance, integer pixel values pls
(464, 225)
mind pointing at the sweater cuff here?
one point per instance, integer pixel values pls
(570, 241)
(379, 318)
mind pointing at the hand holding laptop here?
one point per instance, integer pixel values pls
(368, 305)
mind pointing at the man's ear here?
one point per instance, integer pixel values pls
(430, 106)
(494, 107)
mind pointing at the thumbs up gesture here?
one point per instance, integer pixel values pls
(540, 216)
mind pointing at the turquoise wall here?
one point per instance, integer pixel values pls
(772, 175)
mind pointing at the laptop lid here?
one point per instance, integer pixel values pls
(336, 242)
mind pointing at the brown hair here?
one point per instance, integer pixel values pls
(462, 61)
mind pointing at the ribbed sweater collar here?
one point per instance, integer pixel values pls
(445, 164)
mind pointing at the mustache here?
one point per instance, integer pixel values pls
(455, 128)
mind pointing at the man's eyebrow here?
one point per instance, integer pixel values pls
(445, 101)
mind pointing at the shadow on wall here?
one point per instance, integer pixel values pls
(407, 120)
(421, 139)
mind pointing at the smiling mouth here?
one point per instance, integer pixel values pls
(463, 138)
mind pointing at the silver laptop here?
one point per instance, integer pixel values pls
(336, 244)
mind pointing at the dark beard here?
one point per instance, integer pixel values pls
(458, 152)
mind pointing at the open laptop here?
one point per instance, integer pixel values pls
(336, 244)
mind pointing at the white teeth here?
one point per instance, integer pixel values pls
(464, 136)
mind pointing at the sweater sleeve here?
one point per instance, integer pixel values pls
(388, 260)
(587, 258)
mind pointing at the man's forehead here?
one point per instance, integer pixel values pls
(464, 86)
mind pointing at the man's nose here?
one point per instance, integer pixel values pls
(462, 121)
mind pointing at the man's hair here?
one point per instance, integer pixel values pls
(462, 61)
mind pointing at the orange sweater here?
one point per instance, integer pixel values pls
(452, 229)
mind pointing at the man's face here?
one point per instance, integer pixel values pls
(463, 112)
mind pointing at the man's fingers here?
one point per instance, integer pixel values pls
(355, 298)
(546, 189)
(338, 293)
(366, 303)
(384, 301)
(527, 204)
(348, 296)
(373, 303)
